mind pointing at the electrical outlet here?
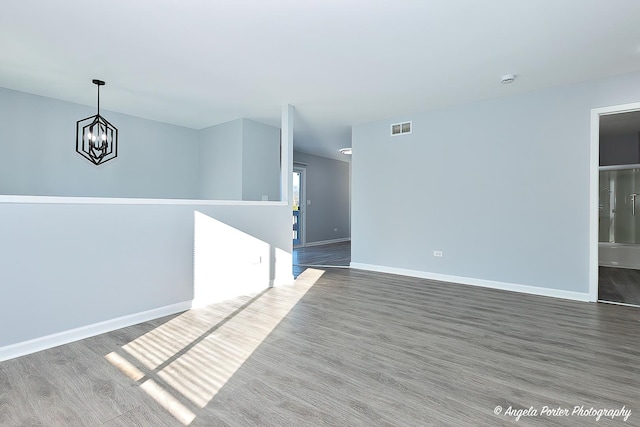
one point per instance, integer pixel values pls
(438, 254)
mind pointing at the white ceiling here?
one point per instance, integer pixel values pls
(197, 63)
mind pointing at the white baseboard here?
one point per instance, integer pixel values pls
(328, 242)
(535, 290)
(65, 337)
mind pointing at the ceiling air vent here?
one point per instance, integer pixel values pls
(400, 128)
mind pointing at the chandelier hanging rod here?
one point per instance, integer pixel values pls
(98, 83)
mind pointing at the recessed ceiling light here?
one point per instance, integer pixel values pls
(508, 78)
(346, 151)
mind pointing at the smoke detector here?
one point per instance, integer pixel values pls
(507, 78)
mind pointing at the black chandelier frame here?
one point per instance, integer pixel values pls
(96, 138)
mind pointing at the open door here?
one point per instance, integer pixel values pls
(298, 207)
(619, 207)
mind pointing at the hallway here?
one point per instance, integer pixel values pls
(330, 255)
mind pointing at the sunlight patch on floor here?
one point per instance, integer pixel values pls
(168, 402)
(124, 366)
(192, 356)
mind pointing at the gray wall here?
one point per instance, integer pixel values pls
(260, 161)
(65, 266)
(240, 160)
(221, 161)
(37, 153)
(622, 149)
(501, 187)
(620, 139)
(68, 263)
(328, 189)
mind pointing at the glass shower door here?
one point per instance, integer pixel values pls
(619, 206)
(619, 235)
(626, 229)
(606, 207)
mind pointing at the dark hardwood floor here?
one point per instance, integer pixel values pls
(619, 285)
(333, 254)
(342, 347)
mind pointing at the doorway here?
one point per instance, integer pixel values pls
(615, 231)
(299, 205)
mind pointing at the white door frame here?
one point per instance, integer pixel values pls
(594, 176)
(303, 204)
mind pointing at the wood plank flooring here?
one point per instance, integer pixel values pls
(332, 254)
(619, 285)
(342, 348)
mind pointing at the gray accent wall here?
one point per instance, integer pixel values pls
(328, 188)
(501, 187)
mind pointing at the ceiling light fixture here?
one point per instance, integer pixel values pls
(346, 151)
(96, 138)
(507, 78)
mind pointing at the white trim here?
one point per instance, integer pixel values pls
(618, 303)
(65, 337)
(322, 266)
(286, 155)
(328, 242)
(132, 201)
(619, 167)
(303, 204)
(504, 286)
(594, 176)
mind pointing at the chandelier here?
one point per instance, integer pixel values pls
(96, 138)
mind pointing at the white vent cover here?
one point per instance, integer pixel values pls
(400, 128)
